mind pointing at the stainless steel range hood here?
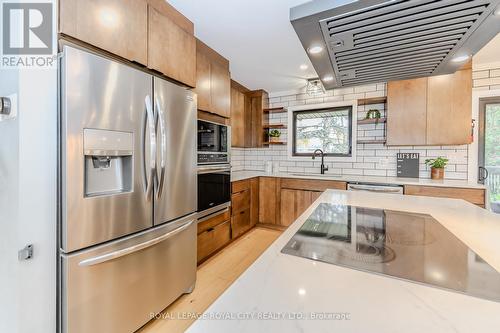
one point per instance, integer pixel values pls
(359, 42)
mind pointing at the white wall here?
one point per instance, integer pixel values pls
(28, 167)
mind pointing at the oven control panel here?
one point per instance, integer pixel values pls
(212, 158)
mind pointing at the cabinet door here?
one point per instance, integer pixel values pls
(203, 78)
(294, 203)
(449, 108)
(407, 112)
(268, 205)
(117, 26)
(237, 118)
(171, 50)
(287, 207)
(220, 84)
(254, 201)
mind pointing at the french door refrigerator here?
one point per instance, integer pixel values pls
(128, 194)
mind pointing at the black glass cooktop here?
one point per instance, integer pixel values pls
(404, 245)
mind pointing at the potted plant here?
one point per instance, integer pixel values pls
(274, 135)
(437, 167)
(373, 114)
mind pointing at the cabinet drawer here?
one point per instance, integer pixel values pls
(213, 221)
(475, 196)
(240, 223)
(240, 186)
(213, 239)
(240, 201)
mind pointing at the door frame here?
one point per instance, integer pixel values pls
(481, 127)
(473, 155)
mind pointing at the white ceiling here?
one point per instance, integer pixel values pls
(260, 43)
(257, 38)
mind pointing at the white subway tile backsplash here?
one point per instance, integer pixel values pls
(370, 159)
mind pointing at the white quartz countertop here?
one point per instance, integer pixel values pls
(286, 287)
(242, 175)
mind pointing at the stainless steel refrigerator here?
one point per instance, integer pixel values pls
(128, 193)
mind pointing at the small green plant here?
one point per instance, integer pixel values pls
(274, 133)
(437, 163)
(373, 114)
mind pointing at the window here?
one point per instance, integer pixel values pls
(327, 129)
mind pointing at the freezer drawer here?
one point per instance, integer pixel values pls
(116, 287)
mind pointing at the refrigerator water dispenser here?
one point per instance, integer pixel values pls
(108, 162)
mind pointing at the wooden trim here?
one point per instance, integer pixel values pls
(203, 115)
(312, 184)
(475, 196)
(373, 100)
(239, 87)
(271, 226)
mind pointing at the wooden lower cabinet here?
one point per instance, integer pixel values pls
(475, 196)
(294, 203)
(244, 206)
(213, 234)
(269, 195)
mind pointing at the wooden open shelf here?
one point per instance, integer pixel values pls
(275, 110)
(372, 121)
(373, 100)
(275, 143)
(282, 126)
(381, 141)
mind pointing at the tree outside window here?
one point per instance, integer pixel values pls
(327, 129)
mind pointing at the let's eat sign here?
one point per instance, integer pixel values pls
(408, 165)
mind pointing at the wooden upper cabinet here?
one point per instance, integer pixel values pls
(203, 79)
(213, 81)
(237, 118)
(449, 108)
(406, 116)
(172, 50)
(116, 26)
(220, 84)
(258, 101)
(430, 111)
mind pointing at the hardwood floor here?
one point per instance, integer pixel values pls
(213, 277)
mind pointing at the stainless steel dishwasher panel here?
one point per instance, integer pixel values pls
(117, 287)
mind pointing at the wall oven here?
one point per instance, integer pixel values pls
(213, 143)
(214, 188)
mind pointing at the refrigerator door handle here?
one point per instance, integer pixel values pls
(163, 145)
(120, 253)
(148, 120)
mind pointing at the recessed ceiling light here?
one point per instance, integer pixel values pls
(315, 49)
(304, 67)
(497, 11)
(327, 78)
(460, 58)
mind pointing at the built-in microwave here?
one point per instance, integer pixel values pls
(213, 143)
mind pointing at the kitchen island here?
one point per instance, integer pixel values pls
(281, 292)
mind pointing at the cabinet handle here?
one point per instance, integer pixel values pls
(242, 212)
(210, 229)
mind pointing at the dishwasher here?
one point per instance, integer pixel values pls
(379, 188)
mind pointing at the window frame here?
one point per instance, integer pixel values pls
(323, 109)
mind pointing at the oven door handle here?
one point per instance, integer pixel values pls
(204, 170)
